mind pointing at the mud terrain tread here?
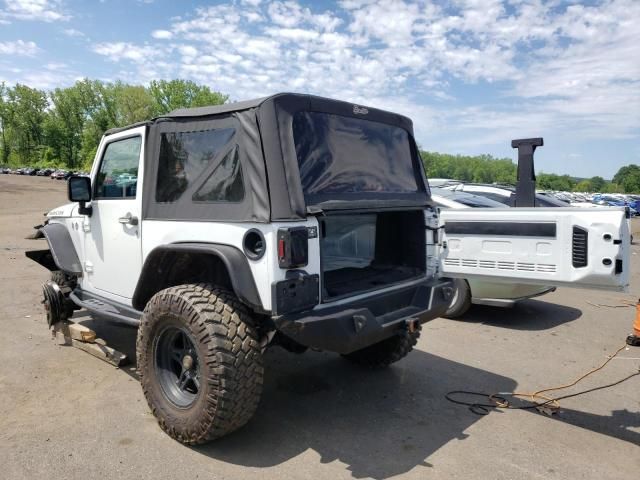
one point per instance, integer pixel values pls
(386, 352)
(234, 368)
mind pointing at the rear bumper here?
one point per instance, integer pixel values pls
(354, 325)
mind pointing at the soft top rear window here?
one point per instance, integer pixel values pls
(345, 155)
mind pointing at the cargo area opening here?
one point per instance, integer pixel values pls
(369, 251)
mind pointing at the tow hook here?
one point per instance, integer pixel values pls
(413, 325)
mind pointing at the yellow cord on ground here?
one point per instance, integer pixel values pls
(549, 402)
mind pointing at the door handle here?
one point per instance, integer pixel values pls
(128, 219)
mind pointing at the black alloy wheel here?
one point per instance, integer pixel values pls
(177, 366)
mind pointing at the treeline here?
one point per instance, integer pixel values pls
(62, 128)
(487, 169)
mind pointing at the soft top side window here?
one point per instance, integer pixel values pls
(225, 182)
(185, 157)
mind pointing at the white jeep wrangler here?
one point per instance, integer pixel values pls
(291, 220)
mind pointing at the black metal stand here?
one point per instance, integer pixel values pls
(526, 186)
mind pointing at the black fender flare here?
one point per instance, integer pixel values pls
(235, 262)
(61, 248)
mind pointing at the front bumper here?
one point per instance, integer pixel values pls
(356, 324)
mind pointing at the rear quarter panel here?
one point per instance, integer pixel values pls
(265, 270)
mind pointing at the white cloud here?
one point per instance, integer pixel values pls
(162, 34)
(72, 32)
(559, 66)
(47, 77)
(118, 51)
(149, 61)
(37, 10)
(19, 47)
(287, 14)
(188, 51)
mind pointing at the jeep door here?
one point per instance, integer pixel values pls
(582, 248)
(113, 254)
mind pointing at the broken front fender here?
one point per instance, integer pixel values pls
(62, 253)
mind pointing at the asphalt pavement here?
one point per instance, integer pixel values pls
(65, 414)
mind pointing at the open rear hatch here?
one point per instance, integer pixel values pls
(366, 251)
(361, 174)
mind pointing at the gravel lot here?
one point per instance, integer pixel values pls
(65, 414)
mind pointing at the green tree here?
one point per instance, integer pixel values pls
(27, 110)
(71, 108)
(103, 117)
(611, 187)
(173, 94)
(134, 104)
(628, 178)
(481, 168)
(5, 116)
(551, 181)
(584, 186)
(597, 183)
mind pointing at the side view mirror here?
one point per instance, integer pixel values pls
(79, 190)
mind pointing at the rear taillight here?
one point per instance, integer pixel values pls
(293, 247)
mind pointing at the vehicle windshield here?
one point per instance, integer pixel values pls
(476, 201)
(344, 155)
(473, 201)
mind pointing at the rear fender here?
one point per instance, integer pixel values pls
(178, 263)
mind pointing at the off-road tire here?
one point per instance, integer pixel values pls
(461, 300)
(384, 353)
(228, 349)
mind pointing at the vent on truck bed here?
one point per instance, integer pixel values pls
(579, 250)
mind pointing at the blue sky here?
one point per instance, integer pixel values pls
(472, 74)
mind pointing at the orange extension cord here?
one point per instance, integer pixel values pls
(548, 404)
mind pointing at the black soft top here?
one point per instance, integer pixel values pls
(213, 110)
(264, 139)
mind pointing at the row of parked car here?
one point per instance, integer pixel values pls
(41, 172)
(576, 199)
(458, 195)
(505, 194)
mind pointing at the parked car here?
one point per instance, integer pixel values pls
(505, 194)
(45, 172)
(481, 292)
(610, 200)
(60, 175)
